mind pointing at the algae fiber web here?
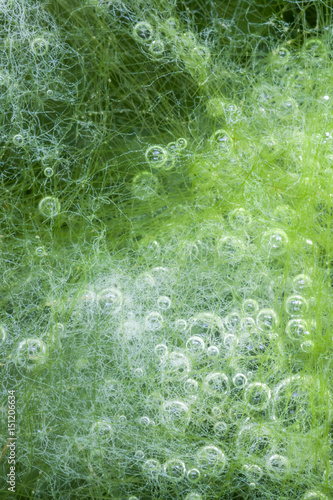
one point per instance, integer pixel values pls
(166, 249)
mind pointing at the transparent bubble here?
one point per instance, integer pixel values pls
(4, 78)
(276, 242)
(252, 472)
(231, 249)
(144, 421)
(239, 218)
(315, 47)
(175, 414)
(296, 305)
(174, 469)
(139, 455)
(216, 411)
(181, 325)
(30, 353)
(145, 185)
(154, 321)
(40, 252)
(173, 148)
(18, 139)
(156, 48)
(191, 386)
(233, 321)
(216, 384)
(151, 466)
(278, 463)
(220, 429)
(177, 366)
(143, 32)
(59, 328)
(230, 341)
(138, 372)
(211, 459)
(314, 495)
(250, 307)
(39, 46)
(161, 350)
(49, 206)
(267, 320)
(3, 333)
(102, 429)
(255, 439)
(257, 396)
(156, 156)
(48, 172)
(193, 475)
(302, 283)
(213, 352)
(280, 56)
(195, 345)
(207, 325)
(164, 303)
(49, 92)
(222, 140)
(122, 419)
(110, 299)
(297, 329)
(239, 380)
(181, 143)
(307, 346)
(152, 249)
(193, 496)
(133, 498)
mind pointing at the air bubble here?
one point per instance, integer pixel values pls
(252, 472)
(193, 475)
(143, 32)
(164, 303)
(213, 352)
(181, 325)
(18, 139)
(151, 466)
(156, 156)
(145, 186)
(191, 386)
(257, 396)
(49, 206)
(144, 421)
(195, 345)
(48, 172)
(181, 143)
(109, 300)
(175, 414)
(154, 321)
(39, 46)
(161, 350)
(40, 252)
(267, 320)
(220, 429)
(296, 305)
(232, 321)
(49, 92)
(193, 496)
(280, 56)
(207, 325)
(139, 455)
(239, 380)
(216, 384)
(250, 307)
(231, 249)
(239, 218)
(223, 142)
(156, 47)
(122, 419)
(307, 346)
(302, 283)
(296, 329)
(31, 352)
(3, 333)
(276, 242)
(314, 495)
(175, 469)
(211, 459)
(102, 429)
(278, 463)
(177, 366)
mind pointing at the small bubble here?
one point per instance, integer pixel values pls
(195, 345)
(181, 143)
(220, 429)
(31, 352)
(296, 305)
(39, 46)
(48, 172)
(177, 366)
(164, 303)
(145, 186)
(222, 141)
(296, 329)
(156, 47)
(250, 307)
(191, 386)
(156, 156)
(151, 466)
(138, 372)
(213, 352)
(175, 414)
(193, 496)
(252, 472)
(239, 380)
(18, 139)
(49, 92)
(211, 459)
(307, 346)
(102, 429)
(239, 218)
(49, 206)
(276, 242)
(144, 421)
(193, 475)
(154, 321)
(181, 325)
(302, 283)
(133, 498)
(174, 469)
(161, 350)
(122, 419)
(109, 299)
(278, 463)
(143, 32)
(40, 252)
(3, 333)
(267, 320)
(217, 383)
(257, 396)
(139, 455)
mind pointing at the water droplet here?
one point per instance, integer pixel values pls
(30, 353)
(156, 156)
(18, 139)
(164, 303)
(143, 32)
(275, 242)
(145, 186)
(296, 305)
(39, 46)
(257, 396)
(49, 206)
(174, 469)
(48, 172)
(216, 384)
